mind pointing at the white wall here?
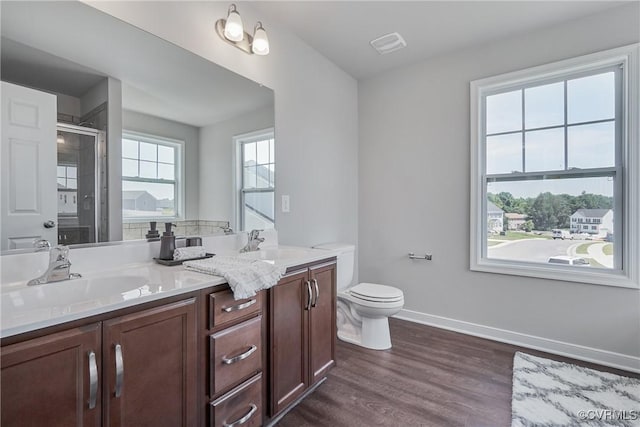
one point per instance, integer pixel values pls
(414, 196)
(316, 112)
(216, 162)
(151, 125)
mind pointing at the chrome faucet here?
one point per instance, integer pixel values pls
(253, 242)
(59, 267)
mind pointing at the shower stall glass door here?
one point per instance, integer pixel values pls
(78, 179)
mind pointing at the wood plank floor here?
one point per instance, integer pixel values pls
(431, 377)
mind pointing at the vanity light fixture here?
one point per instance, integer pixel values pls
(232, 31)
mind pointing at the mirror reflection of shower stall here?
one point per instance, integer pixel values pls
(79, 174)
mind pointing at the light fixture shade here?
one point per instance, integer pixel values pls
(60, 138)
(233, 29)
(260, 45)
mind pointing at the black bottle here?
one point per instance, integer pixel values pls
(167, 242)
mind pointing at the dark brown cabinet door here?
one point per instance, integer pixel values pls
(322, 321)
(289, 301)
(150, 367)
(53, 380)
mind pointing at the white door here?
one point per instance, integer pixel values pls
(29, 158)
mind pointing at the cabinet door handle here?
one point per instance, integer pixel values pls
(229, 360)
(239, 306)
(93, 380)
(119, 370)
(315, 285)
(252, 410)
(309, 296)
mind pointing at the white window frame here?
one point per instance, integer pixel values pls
(626, 272)
(238, 199)
(180, 187)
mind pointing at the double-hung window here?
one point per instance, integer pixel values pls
(152, 183)
(556, 146)
(256, 183)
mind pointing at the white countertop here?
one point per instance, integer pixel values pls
(28, 308)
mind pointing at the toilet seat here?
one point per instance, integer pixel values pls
(372, 292)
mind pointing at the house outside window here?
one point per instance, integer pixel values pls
(556, 146)
(255, 180)
(152, 180)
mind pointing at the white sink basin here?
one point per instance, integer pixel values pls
(276, 254)
(75, 291)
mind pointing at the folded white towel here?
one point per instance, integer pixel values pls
(245, 276)
(189, 252)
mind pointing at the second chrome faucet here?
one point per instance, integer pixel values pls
(59, 267)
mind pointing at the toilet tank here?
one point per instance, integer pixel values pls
(345, 254)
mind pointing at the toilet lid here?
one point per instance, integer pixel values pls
(377, 293)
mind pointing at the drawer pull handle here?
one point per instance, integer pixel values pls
(315, 301)
(309, 296)
(93, 380)
(243, 419)
(119, 370)
(229, 360)
(239, 306)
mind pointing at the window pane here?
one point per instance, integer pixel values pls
(148, 151)
(62, 172)
(263, 152)
(272, 174)
(249, 154)
(143, 199)
(72, 172)
(249, 179)
(148, 169)
(72, 183)
(544, 106)
(591, 98)
(552, 220)
(592, 146)
(166, 171)
(62, 182)
(129, 167)
(262, 178)
(544, 150)
(504, 153)
(272, 154)
(504, 112)
(258, 210)
(166, 154)
(130, 148)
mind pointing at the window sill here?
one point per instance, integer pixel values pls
(588, 276)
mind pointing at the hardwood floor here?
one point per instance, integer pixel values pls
(431, 377)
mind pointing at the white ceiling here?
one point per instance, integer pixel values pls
(341, 30)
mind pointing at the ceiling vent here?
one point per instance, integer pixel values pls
(388, 43)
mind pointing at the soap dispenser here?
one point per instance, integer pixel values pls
(167, 242)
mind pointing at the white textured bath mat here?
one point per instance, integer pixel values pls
(548, 393)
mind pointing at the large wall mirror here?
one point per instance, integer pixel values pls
(106, 128)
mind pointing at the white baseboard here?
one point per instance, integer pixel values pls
(587, 354)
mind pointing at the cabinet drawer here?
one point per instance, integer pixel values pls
(235, 355)
(224, 309)
(240, 407)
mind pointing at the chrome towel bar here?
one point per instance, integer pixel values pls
(425, 256)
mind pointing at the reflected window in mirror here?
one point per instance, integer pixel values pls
(151, 177)
(256, 180)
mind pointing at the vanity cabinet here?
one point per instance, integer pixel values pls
(149, 367)
(137, 369)
(233, 358)
(302, 332)
(53, 380)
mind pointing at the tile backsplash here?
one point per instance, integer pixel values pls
(138, 230)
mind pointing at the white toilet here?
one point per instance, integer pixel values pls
(364, 309)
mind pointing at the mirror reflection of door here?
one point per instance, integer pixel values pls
(77, 179)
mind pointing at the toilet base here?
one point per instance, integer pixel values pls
(374, 334)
